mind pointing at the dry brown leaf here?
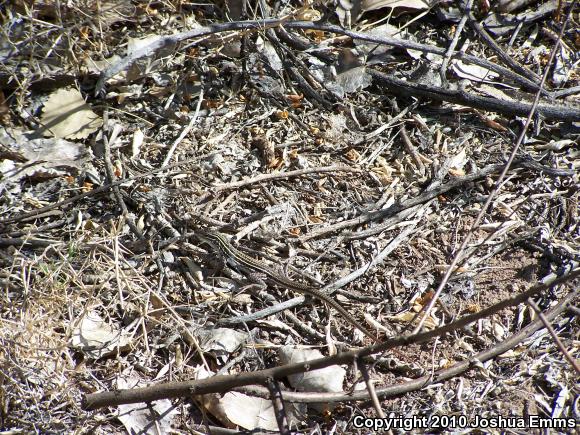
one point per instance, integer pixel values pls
(236, 409)
(67, 115)
(352, 155)
(315, 219)
(294, 231)
(456, 172)
(408, 316)
(308, 15)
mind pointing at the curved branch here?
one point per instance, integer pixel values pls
(424, 381)
(227, 382)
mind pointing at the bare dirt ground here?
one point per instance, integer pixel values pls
(358, 147)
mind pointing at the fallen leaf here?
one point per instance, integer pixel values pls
(328, 379)
(97, 338)
(473, 72)
(67, 115)
(139, 418)
(221, 341)
(371, 5)
(237, 409)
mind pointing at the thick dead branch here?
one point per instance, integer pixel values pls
(225, 383)
(459, 96)
(424, 381)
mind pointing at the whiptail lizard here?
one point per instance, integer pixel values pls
(243, 261)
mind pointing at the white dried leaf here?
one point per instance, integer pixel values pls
(563, 397)
(473, 72)
(221, 341)
(67, 115)
(493, 92)
(458, 161)
(327, 379)
(383, 30)
(112, 11)
(276, 324)
(564, 67)
(140, 417)
(512, 353)
(96, 337)
(136, 143)
(136, 44)
(353, 80)
(336, 126)
(461, 343)
(273, 59)
(498, 331)
(249, 412)
(371, 5)
(558, 145)
(345, 13)
(44, 158)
